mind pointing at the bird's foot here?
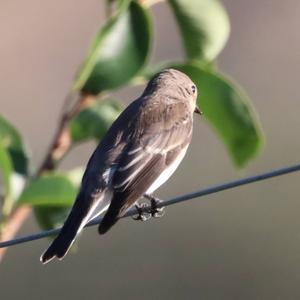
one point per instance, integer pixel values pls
(155, 211)
(143, 212)
(146, 211)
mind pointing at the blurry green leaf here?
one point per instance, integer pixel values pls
(94, 121)
(204, 26)
(13, 161)
(230, 112)
(50, 217)
(5, 168)
(53, 196)
(118, 52)
(75, 176)
(12, 142)
(6, 172)
(17, 183)
(54, 189)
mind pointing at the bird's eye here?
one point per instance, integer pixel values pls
(194, 89)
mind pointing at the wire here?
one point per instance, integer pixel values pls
(182, 198)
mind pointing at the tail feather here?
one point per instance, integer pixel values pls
(79, 216)
(111, 217)
(59, 247)
(108, 221)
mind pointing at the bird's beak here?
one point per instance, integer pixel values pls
(198, 111)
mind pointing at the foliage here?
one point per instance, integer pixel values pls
(119, 56)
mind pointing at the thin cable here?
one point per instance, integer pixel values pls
(182, 198)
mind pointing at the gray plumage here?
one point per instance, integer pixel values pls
(146, 140)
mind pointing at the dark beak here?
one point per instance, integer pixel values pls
(198, 111)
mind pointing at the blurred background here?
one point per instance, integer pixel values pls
(238, 244)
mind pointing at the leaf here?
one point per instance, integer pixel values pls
(228, 109)
(52, 190)
(17, 182)
(50, 217)
(52, 195)
(75, 176)
(94, 121)
(12, 141)
(13, 163)
(119, 51)
(5, 168)
(204, 26)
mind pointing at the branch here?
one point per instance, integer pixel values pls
(13, 225)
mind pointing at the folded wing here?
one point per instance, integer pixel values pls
(161, 136)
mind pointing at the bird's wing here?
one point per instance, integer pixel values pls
(162, 133)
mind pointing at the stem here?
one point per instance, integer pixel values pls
(108, 8)
(13, 225)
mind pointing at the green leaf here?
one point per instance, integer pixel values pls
(6, 171)
(228, 109)
(204, 26)
(11, 140)
(93, 121)
(50, 217)
(52, 196)
(5, 168)
(52, 190)
(75, 176)
(119, 51)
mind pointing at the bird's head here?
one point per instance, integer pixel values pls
(174, 84)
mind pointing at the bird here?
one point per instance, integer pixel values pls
(139, 153)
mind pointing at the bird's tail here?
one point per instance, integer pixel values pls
(109, 219)
(60, 245)
(81, 213)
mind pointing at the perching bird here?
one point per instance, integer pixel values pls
(140, 151)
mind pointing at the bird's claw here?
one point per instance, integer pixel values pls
(156, 212)
(143, 214)
(146, 211)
